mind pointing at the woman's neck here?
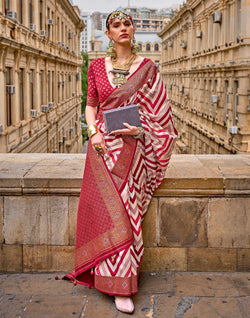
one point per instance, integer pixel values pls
(122, 54)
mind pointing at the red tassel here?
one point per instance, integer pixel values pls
(56, 277)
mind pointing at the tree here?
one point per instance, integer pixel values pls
(85, 66)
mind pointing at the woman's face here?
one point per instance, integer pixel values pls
(121, 32)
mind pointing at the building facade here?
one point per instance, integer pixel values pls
(206, 69)
(149, 42)
(99, 20)
(86, 33)
(147, 19)
(40, 76)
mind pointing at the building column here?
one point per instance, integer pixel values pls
(13, 5)
(35, 13)
(26, 13)
(245, 21)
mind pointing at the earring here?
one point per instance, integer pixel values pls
(111, 49)
(135, 48)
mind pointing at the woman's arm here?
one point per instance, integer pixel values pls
(96, 139)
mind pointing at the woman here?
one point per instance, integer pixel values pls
(123, 168)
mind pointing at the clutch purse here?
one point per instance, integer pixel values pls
(114, 118)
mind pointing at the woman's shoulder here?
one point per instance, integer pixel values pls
(146, 60)
(150, 63)
(97, 62)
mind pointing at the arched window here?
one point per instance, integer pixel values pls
(156, 47)
(147, 47)
(140, 46)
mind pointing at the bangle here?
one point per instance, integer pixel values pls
(92, 130)
(141, 132)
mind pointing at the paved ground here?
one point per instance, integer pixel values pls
(168, 295)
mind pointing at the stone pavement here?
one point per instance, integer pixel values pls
(161, 295)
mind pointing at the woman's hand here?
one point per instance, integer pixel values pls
(98, 140)
(130, 130)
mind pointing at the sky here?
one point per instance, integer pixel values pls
(110, 5)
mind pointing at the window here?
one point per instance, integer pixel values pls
(215, 104)
(58, 29)
(58, 89)
(42, 87)
(156, 47)
(226, 100)
(140, 46)
(236, 102)
(41, 15)
(30, 11)
(52, 29)
(209, 97)
(49, 91)
(53, 92)
(21, 88)
(32, 89)
(6, 5)
(49, 26)
(147, 47)
(62, 32)
(63, 88)
(8, 97)
(20, 11)
(92, 46)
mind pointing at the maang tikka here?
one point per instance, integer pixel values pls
(110, 49)
(135, 48)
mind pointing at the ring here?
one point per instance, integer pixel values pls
(98, 148)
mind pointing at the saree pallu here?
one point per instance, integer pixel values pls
(117, 188)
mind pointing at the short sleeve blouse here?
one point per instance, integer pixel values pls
(99, 87)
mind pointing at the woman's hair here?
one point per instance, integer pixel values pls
(118, 14)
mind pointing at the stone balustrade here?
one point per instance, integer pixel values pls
(198, 220)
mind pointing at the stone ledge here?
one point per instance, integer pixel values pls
(198, 175)
(198, 219)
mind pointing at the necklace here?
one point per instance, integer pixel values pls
(120, 71)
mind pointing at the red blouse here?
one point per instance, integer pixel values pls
(99, 87)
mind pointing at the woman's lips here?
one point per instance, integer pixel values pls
(124, 35)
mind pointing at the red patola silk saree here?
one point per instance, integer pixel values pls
(116, 189)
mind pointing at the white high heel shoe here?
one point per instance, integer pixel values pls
(124, 304)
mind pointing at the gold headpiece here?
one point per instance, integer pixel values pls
(120, 14)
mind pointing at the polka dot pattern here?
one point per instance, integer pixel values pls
(99, 87)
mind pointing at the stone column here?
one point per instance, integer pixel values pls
(26, 13)
(245, 21)
(13, 5)
(232, 23)
(35, 13)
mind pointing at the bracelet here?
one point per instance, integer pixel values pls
(92, 130)
(141, 132)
